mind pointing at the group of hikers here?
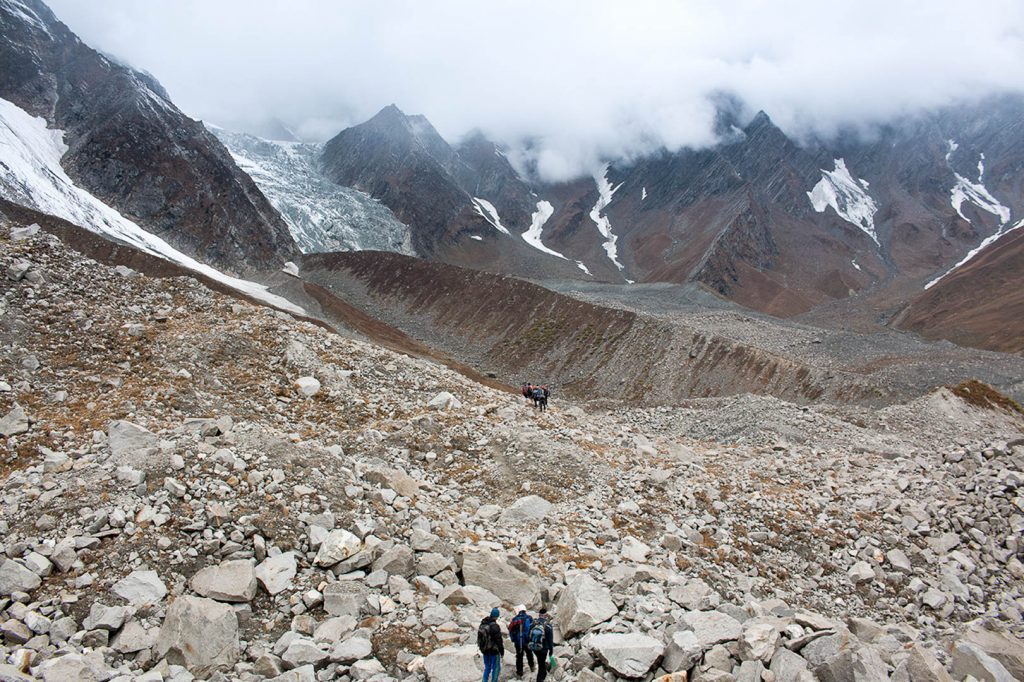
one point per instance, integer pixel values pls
(532, 638)
(538, 394)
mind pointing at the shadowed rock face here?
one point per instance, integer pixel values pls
(131, 147)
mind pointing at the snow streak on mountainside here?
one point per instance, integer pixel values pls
(975, 192)
(847, 197)
(1003, 230)
(490, 214)
(604, 226)
(31, 175)
(321, 215)
(533, 235)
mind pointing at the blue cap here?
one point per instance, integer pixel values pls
(495, 612)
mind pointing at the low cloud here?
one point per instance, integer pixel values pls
(565, 85)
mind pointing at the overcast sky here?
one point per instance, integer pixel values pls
(586, 80)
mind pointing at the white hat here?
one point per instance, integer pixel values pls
(521, 607)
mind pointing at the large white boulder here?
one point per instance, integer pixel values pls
(276, 573)
(712, 627)
(529, 509)
(583, 604)
(140, 588)
(339, 545)
(758, 641)
(444, 401)
(454, 664)
(628, 654)
(199, 634)
(230, 581)
(493, 572)
(307, 386)
(130, 443)
(16, 578)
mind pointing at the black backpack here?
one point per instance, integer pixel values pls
(485, 638)
(538, 394)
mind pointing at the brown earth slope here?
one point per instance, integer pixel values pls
(980, 304)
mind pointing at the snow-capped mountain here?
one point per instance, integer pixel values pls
(321, 215)
(132, 149)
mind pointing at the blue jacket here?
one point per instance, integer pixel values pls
(519, 635)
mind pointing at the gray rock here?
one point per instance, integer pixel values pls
(922, 666)
(861, 572)
(302, 651)
(140, 588)
(75, 667)
(351, 650)
(454, 664)
(758, 641)
(345, 598)
(131, 444)
(529, 509)
(14, 422)
(16, 578)
(695, 595)
(493, 572)
(199, 634)
(583, 604)
(276, 573)
(133, 637)
(712, 627)
(102, 617)
(630, 655)
(231, 581)
(1005, 648)
(306, 673)
(750, 671)
(683, 651)
(399, 560)
(10, 673)
(339, 545)
(788, 666)
(899, 561)
(969, 659)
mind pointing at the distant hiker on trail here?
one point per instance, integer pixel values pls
(541, 641)
(527, 390)
(540, 397)
(491, 644)
(518, 632)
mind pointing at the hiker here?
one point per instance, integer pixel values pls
(540, 398)
(541, 641)
(491, 645)
(518, 632)
(528, 390)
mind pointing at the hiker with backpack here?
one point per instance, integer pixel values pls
(541, 641)
(491, 644)
(519, 632)
(540, 397)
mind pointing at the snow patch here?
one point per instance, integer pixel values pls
(854, 263)
(490, 214)
(951, 146)
(605, 192)
(532, 235)
(847, 197)
(977, 194)
(974, 252)
(31, 175)
(476, 237)
(584, 268)
(643, 194)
